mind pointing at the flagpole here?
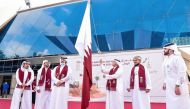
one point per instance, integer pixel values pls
(109, 94)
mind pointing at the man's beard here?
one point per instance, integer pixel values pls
(26, 67)
(46, 66)
(137, 64)
(166, 53)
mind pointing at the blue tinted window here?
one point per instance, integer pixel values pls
(128, 40)
(142, 39)
(156, 39)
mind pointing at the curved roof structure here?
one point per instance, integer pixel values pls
(116, 25)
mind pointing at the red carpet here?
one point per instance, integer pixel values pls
(4, 104)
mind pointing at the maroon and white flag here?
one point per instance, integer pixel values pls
(83, 46)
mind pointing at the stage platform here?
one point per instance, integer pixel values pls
(5, 104)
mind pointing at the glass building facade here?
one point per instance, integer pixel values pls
(116, 25)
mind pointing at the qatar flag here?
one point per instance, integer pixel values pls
(83, 46)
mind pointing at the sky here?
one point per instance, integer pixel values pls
(8, 8)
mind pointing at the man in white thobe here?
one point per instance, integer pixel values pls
(140, 85)
(114, 86)
(60, 91)
(176, 83)
(43, 86)
(22, 95)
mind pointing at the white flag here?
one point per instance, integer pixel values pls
(84, 39)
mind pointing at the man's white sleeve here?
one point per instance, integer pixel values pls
(148, 80)
(118, 74)
(181, 70)
(104, 70)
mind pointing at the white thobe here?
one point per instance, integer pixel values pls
(115, 99)
(42, 98)
(174, 69)
(141, 99)
(59, 95)
(27, 94)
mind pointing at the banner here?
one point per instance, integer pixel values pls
(152, 59)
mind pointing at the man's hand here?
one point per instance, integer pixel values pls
(38, 91)
(128, 89)
(59, 83)
(177, 90)
(23, 85)
(101, 62)
(147, 90)
(164, 86)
